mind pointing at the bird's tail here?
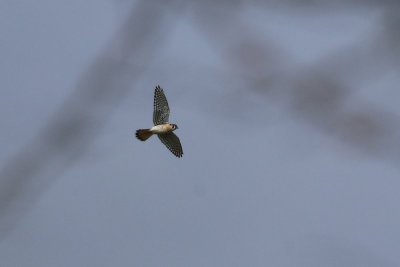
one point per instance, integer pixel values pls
(143, 134)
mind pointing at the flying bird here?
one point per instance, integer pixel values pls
(162, 127)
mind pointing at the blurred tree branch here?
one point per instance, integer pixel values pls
(71, 130)
(317, 93)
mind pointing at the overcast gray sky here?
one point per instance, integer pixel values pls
(287, 111)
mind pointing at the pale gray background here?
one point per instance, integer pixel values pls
(288, 113)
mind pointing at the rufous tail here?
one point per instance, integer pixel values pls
(143, 134)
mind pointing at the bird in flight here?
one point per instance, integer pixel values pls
(162, 127)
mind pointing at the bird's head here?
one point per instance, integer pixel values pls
(174, 127)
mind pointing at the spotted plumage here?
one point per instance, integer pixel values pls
(162, 127)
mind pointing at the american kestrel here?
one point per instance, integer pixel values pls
(162, 127)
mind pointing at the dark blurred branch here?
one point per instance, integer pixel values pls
(317, 93)
(109, 78)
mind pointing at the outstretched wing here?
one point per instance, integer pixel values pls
(171, 141)
(161, 108)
